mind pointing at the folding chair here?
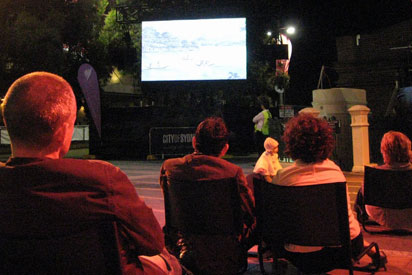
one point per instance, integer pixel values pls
(208, 214)
(315, 215)
(91, 249)
(387, 189)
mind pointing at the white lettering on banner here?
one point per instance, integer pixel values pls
(186, 138)
(178, 138)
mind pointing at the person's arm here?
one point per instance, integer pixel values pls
(268, 178)
(136, 219)
(258, 117)
(278, 166)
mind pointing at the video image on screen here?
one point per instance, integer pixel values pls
(201, 49)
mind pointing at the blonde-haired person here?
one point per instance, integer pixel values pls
(268, 163)
(396, 153)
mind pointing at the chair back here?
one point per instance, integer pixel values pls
(210, 207)
(91, 249)
(208, 216)
(388, 188)
(315, 215)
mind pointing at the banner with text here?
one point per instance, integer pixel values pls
(171, 140)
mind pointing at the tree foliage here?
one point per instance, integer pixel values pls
(121, 42)
(53, 35)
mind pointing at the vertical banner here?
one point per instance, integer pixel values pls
(282, 65)
(89, 84)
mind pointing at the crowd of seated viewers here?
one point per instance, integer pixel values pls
(39, 111)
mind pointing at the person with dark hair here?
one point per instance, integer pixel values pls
(211, 137)
(210, 144)
(42, 193)
(261, 124)
(396, 153)
(309, 141)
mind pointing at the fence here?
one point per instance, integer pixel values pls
(171, 140)
(80, 133)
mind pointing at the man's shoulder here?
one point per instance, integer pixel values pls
(63, 171)
(223, 163)
(197, 163)
(85, 163)
(79, 167)
(173, 162)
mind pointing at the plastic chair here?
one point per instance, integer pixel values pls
(387, 189)
(207, 214)
(90, 249)
(315, 215)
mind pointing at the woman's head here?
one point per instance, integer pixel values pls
(308, 138)
(395, 148)
(264, 101)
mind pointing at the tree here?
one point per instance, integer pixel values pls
(54, 35)
(121, 42)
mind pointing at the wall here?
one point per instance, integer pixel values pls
(367, 62)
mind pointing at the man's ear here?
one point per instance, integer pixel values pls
(224, 150)
(63, 137)
(60, 134)
(194, 143)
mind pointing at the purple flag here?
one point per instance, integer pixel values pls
(87, 78)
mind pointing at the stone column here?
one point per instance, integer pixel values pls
(360, 136)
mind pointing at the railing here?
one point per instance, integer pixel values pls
(80, 133)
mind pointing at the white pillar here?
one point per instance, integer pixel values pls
(334, 104)
(360, 137)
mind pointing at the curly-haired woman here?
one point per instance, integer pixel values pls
(309, 141)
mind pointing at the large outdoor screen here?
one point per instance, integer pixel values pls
(201, 49)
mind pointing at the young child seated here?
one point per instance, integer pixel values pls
(268, 163)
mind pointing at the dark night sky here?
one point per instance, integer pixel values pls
(319, 23)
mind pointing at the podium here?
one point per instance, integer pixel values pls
(333, 105)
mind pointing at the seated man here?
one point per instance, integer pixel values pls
(206, 163)
(396, 152)
(40, 191)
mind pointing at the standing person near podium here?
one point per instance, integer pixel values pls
(42, 193)
(261, 124)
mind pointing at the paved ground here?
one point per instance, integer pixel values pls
(144, 175)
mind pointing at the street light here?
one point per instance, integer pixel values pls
(290, 30)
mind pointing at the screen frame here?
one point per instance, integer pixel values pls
(176, 82)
